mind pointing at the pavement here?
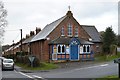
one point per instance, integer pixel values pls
(63, 66)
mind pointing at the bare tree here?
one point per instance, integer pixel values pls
(3, 23)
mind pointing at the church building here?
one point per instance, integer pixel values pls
(66, 40)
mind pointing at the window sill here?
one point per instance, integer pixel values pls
(62, 35)
(69, 35)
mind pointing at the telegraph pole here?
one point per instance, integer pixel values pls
(13, 50)
(21, 40)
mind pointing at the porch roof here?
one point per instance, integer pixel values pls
(66, 40)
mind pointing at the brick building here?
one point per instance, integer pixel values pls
(65, 39)
(62, 40)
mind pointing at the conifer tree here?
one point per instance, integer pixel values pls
(109, 38)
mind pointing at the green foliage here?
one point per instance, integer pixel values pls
(42, 66)
(109, 38)
(25, 60)
(118, 40)
(113, 49)
(111, 76)
(21, 53)
(102, 58)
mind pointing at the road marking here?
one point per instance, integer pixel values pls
(36, 76)
(92, 67)
(104, 65)
(26, 75)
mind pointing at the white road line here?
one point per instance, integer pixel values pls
(36, 76)
(26, 75)
(92, 67)
(104, 65)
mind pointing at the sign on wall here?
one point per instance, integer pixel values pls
(55, 49)
(67, 50)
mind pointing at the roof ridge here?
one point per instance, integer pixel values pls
(88, 25)
(47, 29)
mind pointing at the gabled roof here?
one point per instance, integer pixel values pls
(66, 40)
(93, 33)
(48, 29)
(28, 39)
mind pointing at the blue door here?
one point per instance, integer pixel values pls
(74, 50)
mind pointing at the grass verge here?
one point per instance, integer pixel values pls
(112, 77)
(42, 66)
(102, 58)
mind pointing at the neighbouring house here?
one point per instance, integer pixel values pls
(65, 39)
(62, 40)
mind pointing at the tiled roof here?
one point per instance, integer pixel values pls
(66, 40)
(48, 29)
(28, 39)
(93, 33)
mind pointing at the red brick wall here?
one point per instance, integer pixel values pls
(41, 48)
(57, 31)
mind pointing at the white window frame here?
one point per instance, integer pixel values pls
(62, 31)
(81, 49)
(69, 29)
(61, 49)
(86, 48)
(76, 31)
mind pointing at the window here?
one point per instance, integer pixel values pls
(62, 31)
(84, 48)
(76, 32)
(61, 49)
(88, 48)
(69, 29)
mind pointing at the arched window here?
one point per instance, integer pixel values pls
(88, 48)
(59, 48)
(69, 29)
(76, 31)
(84, 48)
(62, 31)
(63, 49)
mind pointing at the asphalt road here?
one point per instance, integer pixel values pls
(95, 71)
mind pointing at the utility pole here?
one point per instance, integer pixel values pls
(13, 49)
(21, 40)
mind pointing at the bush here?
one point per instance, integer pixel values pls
(25, 60)
(21, 53)
(113, 49)
(36, 62)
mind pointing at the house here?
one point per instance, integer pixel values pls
(62, 40)
(95, 37)
(65, 40)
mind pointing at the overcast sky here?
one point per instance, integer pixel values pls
(29, 14)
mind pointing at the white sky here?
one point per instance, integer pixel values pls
(29, 14)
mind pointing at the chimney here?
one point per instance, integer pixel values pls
(38, 30)
(69, 13)
(27, 36)
(32, 33)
